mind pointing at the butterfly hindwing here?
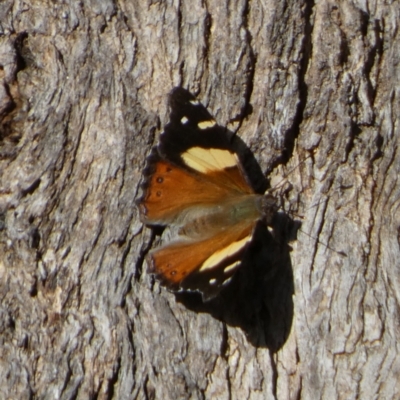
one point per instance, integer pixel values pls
(205, 265)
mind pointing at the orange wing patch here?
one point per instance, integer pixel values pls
(174, 262)
(172, 189)
(232, 178)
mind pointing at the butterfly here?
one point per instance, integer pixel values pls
(195, 185)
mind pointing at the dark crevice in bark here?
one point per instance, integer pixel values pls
(9, 106)
(379, 141)
(33, 290)
(179, 28)
(344, 49)
(35, 238)
(2, 221)
(30, 189)
(207, 34)
(299, 393)
(251, 67)
(224, 341)
(24, 57)
(355, 131)
(144, 251)
(275, 375)
(375, 52)
(113, 380)
(293, 132)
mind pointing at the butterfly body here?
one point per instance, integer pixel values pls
(195, 185)
(204, 221)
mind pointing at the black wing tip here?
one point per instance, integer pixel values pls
(184, 129)
(183, 103)
(180, 98)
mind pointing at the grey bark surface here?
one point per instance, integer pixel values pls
(312, 88)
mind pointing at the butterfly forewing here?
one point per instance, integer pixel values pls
(169, 190)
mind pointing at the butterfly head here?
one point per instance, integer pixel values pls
(269, 206)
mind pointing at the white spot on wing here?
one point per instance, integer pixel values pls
(213, 281)
(207, 160)
(231, 267)
(226, 281)
(206, 124)
(226, 252)
(195, 102)
(184, 120)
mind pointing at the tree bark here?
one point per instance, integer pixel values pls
(311, 88)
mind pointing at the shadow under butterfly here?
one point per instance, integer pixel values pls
(218, 243)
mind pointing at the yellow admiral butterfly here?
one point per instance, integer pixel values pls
(195, 185)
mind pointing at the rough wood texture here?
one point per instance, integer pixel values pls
(82, 99)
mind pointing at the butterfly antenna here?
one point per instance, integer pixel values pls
(302, 216)
(284, 180)
(341, 253)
